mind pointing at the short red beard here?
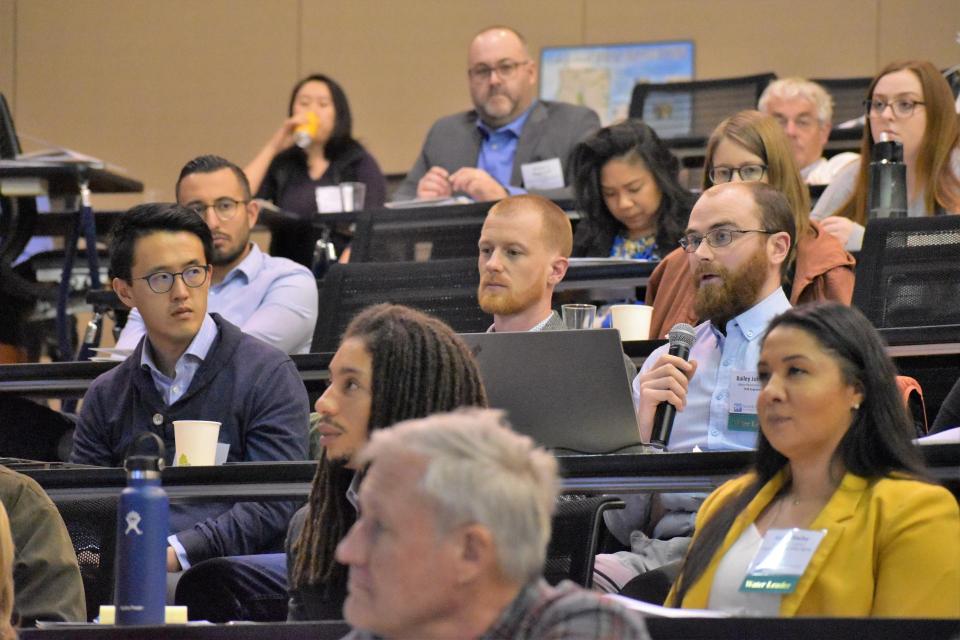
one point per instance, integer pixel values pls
(737, 291)
(507, 302)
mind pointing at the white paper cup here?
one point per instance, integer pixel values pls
(632, 320)
(196, 442)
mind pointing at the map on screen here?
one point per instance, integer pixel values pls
(602, 76)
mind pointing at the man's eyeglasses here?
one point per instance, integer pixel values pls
(505, 69)
(902, 108)
(715, 238)
(162, 281)
(225, 208)
(747, 173)
(804, 123)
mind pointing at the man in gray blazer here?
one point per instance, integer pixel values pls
(481, 153)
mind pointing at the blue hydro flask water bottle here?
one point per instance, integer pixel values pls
(143, 517)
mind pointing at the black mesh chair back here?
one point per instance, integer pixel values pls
(92, 525)
(848, 96)
(575, 537)
(408, 235)
(908, 278)
(677, 110)
(446, 289)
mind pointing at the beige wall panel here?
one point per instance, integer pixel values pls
(925, 29)
(148, 85)
(7, 48)
(823, 38)
(403, 63)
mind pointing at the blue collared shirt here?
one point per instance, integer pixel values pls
(171, 389)
(498, 149)
(704, 421)
(273, 299)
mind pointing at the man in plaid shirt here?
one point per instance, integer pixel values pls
(455, 513)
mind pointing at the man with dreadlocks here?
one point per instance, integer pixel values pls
(393, 364)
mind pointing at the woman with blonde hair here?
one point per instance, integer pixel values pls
(751, 146)
(910, 102)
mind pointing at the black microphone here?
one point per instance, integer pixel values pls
(682, 337)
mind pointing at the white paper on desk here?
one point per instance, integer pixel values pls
(419, 203)
(543, 175)
(656, 611)
(329, 200)
(943, 437)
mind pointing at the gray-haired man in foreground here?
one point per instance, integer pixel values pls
(455, 515)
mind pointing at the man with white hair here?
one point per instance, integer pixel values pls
(805, 110)
(455, 514)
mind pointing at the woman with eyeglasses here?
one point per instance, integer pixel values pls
(752, 146)
(860, 529)
(288, 175)
(625, 184)
(910, 102)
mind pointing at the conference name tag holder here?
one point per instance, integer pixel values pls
(744, 389)
(543, 175)
(782, 558)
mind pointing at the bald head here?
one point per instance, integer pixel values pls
(503, 77)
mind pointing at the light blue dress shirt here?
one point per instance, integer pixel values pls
(171, 389)
(273, 299)
(703, 423)
(498, 149)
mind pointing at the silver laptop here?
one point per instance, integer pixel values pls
(568, 390)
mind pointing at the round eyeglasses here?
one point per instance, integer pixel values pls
(162, 281)
(225, 208)
(747, 173)
(902, 108)
(715, 238)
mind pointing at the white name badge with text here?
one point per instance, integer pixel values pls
(782, 558)
(543, 175)
(744, 389)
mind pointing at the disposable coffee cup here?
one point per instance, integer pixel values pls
(579, 316)
(353, 194)
(631, 320)
(196, 442)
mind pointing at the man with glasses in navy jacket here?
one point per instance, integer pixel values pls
(192, 366)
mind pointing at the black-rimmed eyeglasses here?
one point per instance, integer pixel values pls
(747, 173)
(902, 108)
(715, 238)
(505, 69)
(162, 281)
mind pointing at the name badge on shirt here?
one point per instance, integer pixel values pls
(782, 558)
(329, 200)
(543, 175)
(744, 389)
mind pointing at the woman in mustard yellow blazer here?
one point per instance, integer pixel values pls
(834, 454)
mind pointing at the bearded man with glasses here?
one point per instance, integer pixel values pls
(271, 298)
(737, 242)
(191, 365)
(481, 153)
